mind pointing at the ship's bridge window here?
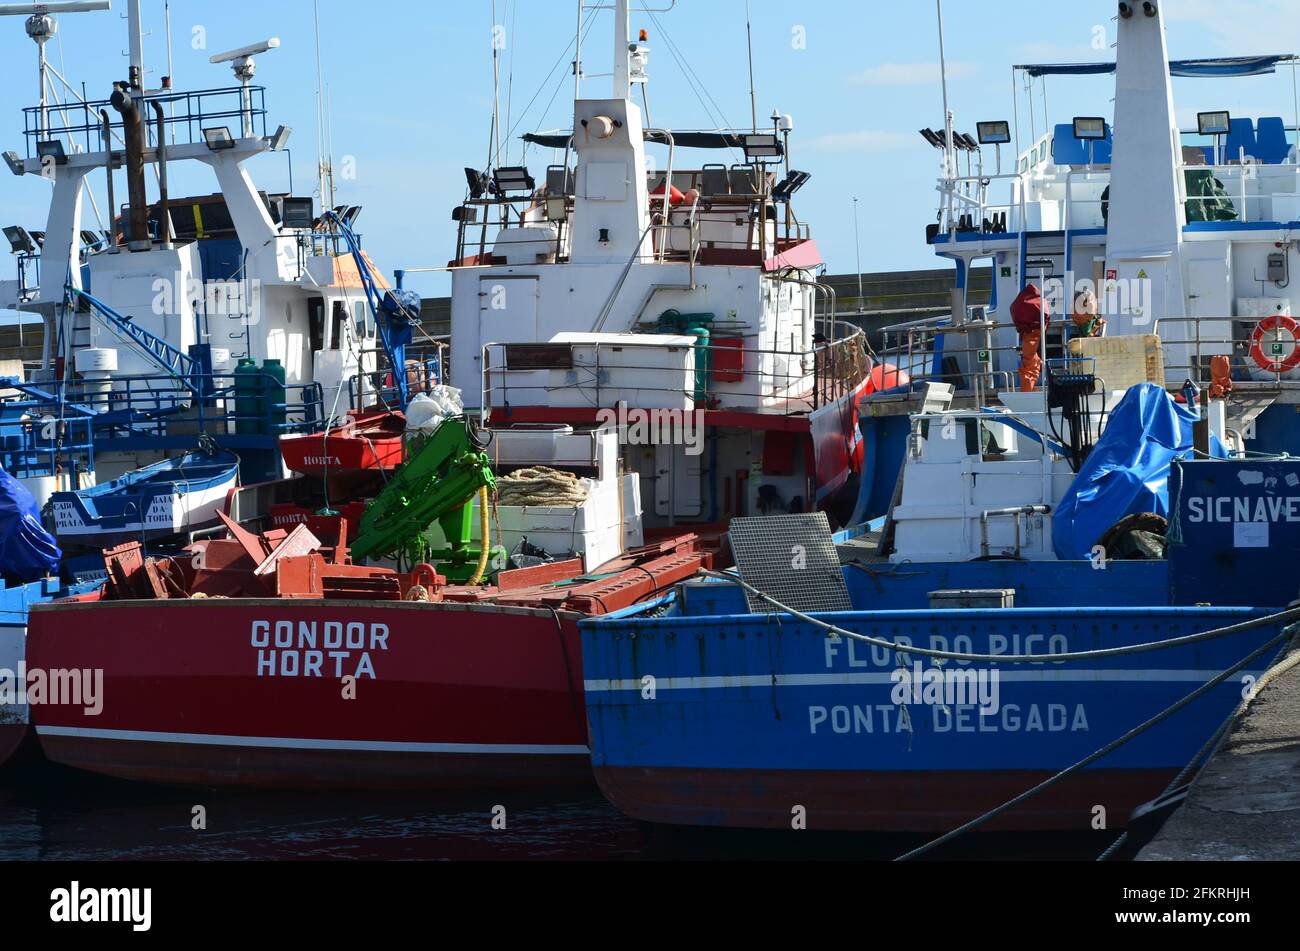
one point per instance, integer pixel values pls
(316, 322)
(359, 318)
(339, 316)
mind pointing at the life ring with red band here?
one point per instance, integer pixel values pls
(1272, 324)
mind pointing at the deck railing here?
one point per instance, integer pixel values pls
(186, 114)
(145, 408)
(766, 380)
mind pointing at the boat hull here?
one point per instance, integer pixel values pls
(15, 714)
(751, 720)
(855, 800)
(371, 443)
(167, 498)
(256, 693)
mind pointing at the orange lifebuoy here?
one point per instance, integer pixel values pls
(1276, 324)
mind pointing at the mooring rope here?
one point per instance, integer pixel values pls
(1109, 748)
(1289, 616)
(1211, 747)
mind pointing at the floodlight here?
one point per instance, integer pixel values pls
(20, 242)
(477, 182)
(786, 188)
(1213, 123)
(993, 133)
(281, 138)
(297, 212)
(52, 149)
(512, 178)
(218, 138)
(14, 162)
(1089, 129)
(762, 145)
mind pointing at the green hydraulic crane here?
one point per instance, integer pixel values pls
(436, 484)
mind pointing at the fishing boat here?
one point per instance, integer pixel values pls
(367, 442)
(270, 318)
(334, 673)
(611, 344)
(172, 497)
(713, 706)
(659, 281)
(1181, 235)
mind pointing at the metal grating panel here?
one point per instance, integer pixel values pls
(793, 559)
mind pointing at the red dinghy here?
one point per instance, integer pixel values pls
(367, 442)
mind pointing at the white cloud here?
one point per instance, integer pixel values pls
(865, 140)
(1243, 27)
(911, 74)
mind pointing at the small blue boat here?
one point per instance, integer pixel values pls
(167, 498)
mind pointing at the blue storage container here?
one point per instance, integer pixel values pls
(1234, 532)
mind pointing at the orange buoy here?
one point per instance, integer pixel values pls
(886, 376)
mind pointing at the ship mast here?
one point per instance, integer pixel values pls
(622, 78)
(577, 57)
(41, 25)
(136, 75)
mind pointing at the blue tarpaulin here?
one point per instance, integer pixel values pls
(27, 551)
(1127, 472)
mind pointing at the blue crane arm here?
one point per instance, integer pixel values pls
(391, 311)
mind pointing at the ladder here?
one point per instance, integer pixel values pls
(180, 366)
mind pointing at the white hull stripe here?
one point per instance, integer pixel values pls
(838, 680)
(301, 743)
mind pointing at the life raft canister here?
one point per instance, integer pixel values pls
(1272, 329)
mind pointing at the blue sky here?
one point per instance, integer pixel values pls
(410, 87)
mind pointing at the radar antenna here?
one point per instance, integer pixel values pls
(241, 61)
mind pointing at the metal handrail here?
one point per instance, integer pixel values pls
(141, 405)
(824, 374)
(187, 111)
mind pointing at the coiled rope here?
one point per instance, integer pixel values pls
(538, 485)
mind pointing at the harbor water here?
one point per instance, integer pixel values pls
(51, 813)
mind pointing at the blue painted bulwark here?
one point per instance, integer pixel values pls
(751, 715)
